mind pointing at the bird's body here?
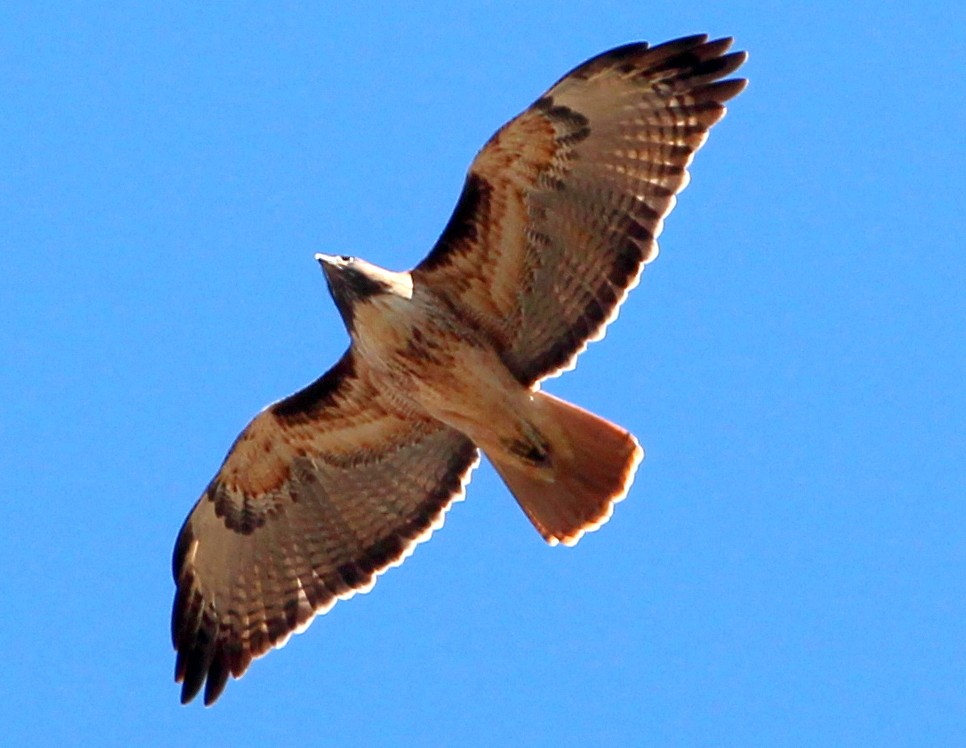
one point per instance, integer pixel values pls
(328, 487)
(428, 357)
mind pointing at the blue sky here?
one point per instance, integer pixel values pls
(789, 567)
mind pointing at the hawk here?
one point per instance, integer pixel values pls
(329, 487)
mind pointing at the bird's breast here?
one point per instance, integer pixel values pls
(425, 356)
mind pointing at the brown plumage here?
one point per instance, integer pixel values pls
(327, 488)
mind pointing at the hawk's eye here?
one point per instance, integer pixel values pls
(345, 258)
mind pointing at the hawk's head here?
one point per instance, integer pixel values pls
(353, 281)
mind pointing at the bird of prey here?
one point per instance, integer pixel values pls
(329, 487)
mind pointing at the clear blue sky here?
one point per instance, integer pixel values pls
(789, 567)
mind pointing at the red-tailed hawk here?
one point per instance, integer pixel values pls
(329, 487)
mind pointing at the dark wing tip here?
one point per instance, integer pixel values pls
(718, 67)
(705, 59)
(683, 43)
(218, 672)
(721, 91)
(614, 58)
(698, 71)
(201, 661)
(191, 667)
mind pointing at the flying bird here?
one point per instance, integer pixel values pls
(329, 487)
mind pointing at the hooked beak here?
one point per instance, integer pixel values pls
(331, 264)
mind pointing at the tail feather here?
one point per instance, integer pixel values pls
(591, 465)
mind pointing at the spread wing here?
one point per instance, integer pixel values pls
(320, 493)
(562, 207)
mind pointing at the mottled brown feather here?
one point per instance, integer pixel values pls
(318, 495)
(562, 207)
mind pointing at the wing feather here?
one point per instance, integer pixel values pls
(318, 495)
(562, 207)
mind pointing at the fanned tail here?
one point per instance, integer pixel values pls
(568, 484)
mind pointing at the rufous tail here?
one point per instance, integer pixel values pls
(569, 484)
